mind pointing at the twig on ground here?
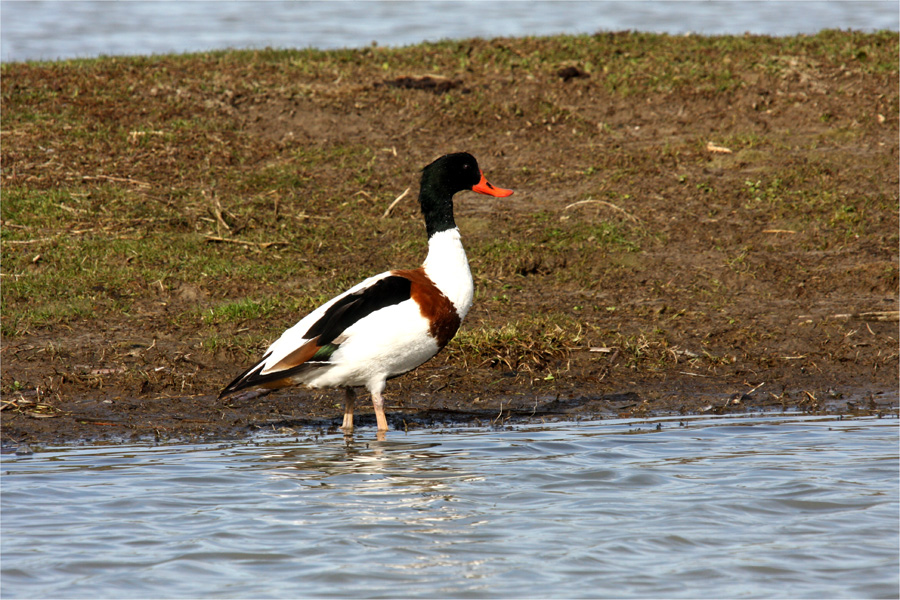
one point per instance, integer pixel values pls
(878, 315)
(605, 203)
(755, 388)
(263, 245)
(34, 241)
(396, 201)
(216, 209)
(716, 149)
(111, 178)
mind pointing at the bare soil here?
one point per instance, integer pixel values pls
(733, 302)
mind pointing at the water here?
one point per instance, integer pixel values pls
(753, 507)
(35, 30)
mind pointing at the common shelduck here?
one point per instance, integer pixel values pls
(390, 323)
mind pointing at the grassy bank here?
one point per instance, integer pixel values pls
(680, 200)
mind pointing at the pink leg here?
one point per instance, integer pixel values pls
(378, 403)
(349, 402)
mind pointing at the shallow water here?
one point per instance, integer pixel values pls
(50, 30)
(728, 507)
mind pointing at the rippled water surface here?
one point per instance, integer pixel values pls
(751, 507)
(50, 30)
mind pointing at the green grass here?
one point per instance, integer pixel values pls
(113, 170)
(238, 311)
(524, 344)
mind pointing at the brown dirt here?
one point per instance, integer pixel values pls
(726, 307)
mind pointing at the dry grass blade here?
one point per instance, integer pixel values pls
(220, 240)
(396, 201)
(117, 179)
(34, 241)
(604, 203)
(716, 149)
(9, 404)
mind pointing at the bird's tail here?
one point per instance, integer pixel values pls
(287, 371)
(243, 381)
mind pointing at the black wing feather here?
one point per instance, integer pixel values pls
(357, 306)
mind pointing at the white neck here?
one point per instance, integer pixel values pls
(447, 266)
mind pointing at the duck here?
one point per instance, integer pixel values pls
(392, 322)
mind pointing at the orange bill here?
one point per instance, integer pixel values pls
(486, 187)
